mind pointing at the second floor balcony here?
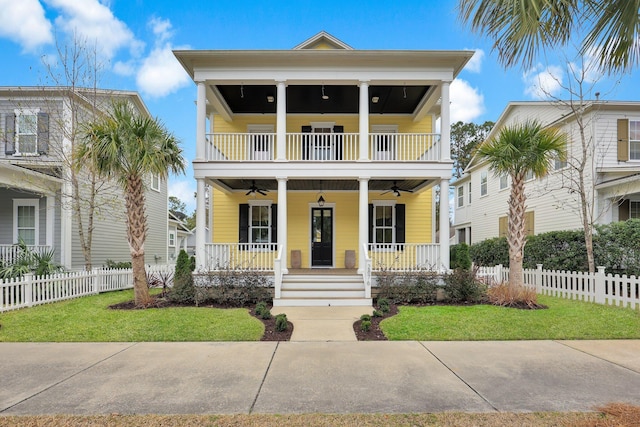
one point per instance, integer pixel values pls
(334, 147)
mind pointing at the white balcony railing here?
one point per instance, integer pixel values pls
(404, 256)
(387, 147)
(241, 256)
(10, 253)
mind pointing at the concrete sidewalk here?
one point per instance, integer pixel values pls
(307, 377)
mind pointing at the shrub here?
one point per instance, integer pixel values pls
(512, 296)
(409, 288)
(617, 247)
(383, 304)
(490, 252)
(463, 286)
(557, 250)
(117, 264)
(459, 256)
(281, 322)
(365, 317)
(183, 288)
(266, 314)
(365, 325)
(232, 287)
(377, 313)
(261, 307)
(29, 261)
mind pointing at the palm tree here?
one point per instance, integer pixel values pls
(519, 150)
(129, 147)
(519, 29)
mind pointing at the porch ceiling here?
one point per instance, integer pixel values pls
(307, 99)
(324, 185)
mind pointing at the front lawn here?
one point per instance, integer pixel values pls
(564, 319)
(89, 319)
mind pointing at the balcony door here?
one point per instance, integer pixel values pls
(384, 142)
(260, 142)
(321, 237)
(324, 143)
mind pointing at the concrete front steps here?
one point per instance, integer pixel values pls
(304, 290)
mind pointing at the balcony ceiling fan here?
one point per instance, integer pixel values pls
(396, 190)
(256, 189)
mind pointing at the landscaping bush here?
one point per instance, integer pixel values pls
(383, 304)
(409, 288)
(266, 314)
(183, 288)
(462, 286)
(117, 264)
(490, 252)
(29, 261)
(377, 313)
(365, 317)
(617, 247)
(232, 287)
(281, 322)
(513, 296)
(365, 325)
(459, 256)
(261, 307)
(557, 250)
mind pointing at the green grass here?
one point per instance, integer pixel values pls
(89, 319)
(564, 319)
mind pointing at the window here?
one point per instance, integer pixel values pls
(155, 182)
(528, 176)
(27, 133)
(25, 220)
(634, 139)
(634, 209)
(461, 196)
(386, 224)
(469, 193)
(172, 238)
(324, 143)
(559, 164)
(462, 235)
(483, 183)
(383, 224)
(504, 181)
(257, 222)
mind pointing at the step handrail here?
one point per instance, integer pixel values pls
(366, 271)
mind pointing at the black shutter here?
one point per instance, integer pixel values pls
(370, 223)
(306, 143)
(43, 133)
(400, 220)
(243, 236)
(10, 134)
(338, 141)
(274, 223)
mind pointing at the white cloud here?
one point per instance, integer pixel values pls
(124, 68)
(25, 23)
(467, 104)
(184, 190)
(161, 29)
(475, 63)
(542, 83)
(94, 21)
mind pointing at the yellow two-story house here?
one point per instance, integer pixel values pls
(319, 164)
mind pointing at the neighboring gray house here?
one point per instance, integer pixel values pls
(37, 128)
(612, 173)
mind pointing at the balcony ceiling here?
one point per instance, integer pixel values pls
(324, 185)
(252, 99)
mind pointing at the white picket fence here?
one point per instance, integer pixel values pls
(31, 290)
(598, 287)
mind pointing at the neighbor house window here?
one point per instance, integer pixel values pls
(528, 176)
(172, 238)
(504, 181)
(461, 196)
(469, 193)
(634, 209)
(634, 139)
(155, 182)
(25, 220)
(483, 183)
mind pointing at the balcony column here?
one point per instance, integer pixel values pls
(364, 121)
(444, 224)
(363, 221)
(201, 122)
(445, 124)
(282, 220)
(281, 122)
(201, 225)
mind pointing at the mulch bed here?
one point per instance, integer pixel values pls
(374, 333)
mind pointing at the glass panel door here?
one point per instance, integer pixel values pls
(321, 237)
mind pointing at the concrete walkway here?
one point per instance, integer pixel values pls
(322, 323)
(309, 377)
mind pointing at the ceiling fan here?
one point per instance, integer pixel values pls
(396, 190)
(255, 189)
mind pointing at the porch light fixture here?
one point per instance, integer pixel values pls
(324, 96)
(321, 201)
(270, 99)
(375, 99)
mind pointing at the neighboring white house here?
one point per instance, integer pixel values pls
(36, 128)
(612, 173)
(177, 237)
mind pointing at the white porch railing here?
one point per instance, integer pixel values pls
(277, 270)
(366, 272)
(244, 256)
(598, 287)
(31, 290)
(320, 147)
(240, 146)
(404, 256)
(404, 147)
(9, 253)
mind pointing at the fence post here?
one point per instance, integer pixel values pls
(498, 274)
(539, 279)
(599, 285)
(95, 272)
(28, 289)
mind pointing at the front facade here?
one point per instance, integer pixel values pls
(612, 131)
(321, 157)
(37, 127)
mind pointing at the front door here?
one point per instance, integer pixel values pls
(321, 237)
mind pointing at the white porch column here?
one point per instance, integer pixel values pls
(445, 123)
(364, 121)
(281, 122)
(363, 221)
(201, 225)
(282, 220)
(201, 122)
(444, 223)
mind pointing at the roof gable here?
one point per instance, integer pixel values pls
(323, 41)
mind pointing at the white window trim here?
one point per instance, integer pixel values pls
(26, 202)
(322, 125)
(251, 204)
(152, 179)
(16, 140)
(172, 236)
(459, 197)
(629, 132)
(630, 202)
(381, 203)
(506, 180)
(484, 183)
(469, 193)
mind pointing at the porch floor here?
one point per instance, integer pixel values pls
(324, 271)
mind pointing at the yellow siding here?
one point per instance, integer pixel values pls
(418, 219)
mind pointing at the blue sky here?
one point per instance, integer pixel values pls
(135, 38)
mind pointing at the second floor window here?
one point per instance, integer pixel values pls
(634, 139)
(504, 181)
(27, 133)
(483, 183)
(461, 196)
